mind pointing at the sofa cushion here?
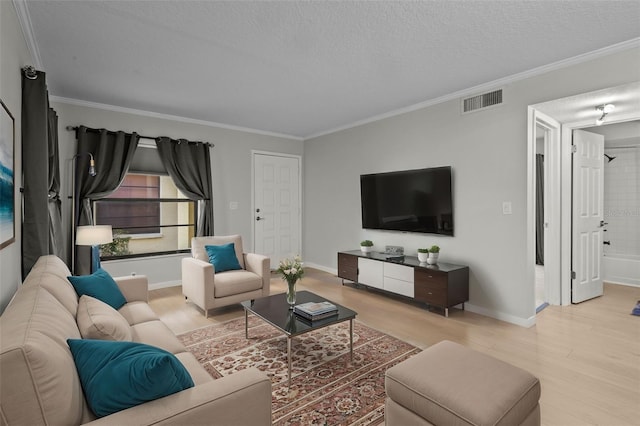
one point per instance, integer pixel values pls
(51, 273)
(97, 320)
(137, 312)
(236, 282)
(119, 375)
(156, 333)
(223, 257)
(37, 376)
(99, 285)
(199, 252)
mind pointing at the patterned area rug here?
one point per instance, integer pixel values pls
(327, 387)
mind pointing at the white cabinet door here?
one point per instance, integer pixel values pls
(370, 272)
(398, 279)
(394, 285)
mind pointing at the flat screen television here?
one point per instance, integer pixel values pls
(410, 201)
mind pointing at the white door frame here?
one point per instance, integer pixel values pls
(553, 256)
(253, 193)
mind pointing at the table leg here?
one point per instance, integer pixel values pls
(289, 357)
(351, 338)
(246, 324)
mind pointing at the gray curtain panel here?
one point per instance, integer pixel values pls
(189, 165)
(539, 209)
(40, 166)
(56, 241)
(112, 152)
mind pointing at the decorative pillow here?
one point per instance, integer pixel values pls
(223, 258)
(97, 320)
(120, 375)
(99, 285)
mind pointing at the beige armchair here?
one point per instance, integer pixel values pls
(208, 290)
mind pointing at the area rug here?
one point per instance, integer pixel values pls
(327, 388)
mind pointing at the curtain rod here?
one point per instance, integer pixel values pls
(89, 129)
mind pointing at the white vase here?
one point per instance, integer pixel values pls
(366, 249)
(433, 258)
(422, 257)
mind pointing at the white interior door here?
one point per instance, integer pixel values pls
(588, 187)
(276, 206)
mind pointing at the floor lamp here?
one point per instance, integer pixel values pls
(94, 235)
(92, 173)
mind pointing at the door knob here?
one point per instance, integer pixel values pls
(259, 218)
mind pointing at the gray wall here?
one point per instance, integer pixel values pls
(14, 54)
(487, 151)
(231, 164)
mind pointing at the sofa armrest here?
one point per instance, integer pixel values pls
(261, 265)
(243, 398)
(134, 288)
(197, 280)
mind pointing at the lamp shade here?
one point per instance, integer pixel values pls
(92, 235)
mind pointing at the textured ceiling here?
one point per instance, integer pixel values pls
(304, 68)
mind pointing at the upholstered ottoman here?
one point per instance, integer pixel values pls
(449, 384)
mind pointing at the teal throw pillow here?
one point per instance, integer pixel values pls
(223, 258)
(99, 285)
(120, 375)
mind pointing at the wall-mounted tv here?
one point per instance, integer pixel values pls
(410, 201)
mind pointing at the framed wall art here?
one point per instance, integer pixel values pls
(7, 180)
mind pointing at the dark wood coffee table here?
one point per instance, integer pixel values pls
(275, 310)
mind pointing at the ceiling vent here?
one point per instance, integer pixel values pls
(486, 100)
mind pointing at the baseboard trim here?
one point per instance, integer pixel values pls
(165, 284)
(622, 283)
(322, 268)
(522, 322)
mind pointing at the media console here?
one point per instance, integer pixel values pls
(443, 285)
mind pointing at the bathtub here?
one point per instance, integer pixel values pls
(621, 269)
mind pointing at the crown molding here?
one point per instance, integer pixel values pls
(152, 114)
(27, 32)
(619, 47)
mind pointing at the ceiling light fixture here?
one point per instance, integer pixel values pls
(604, 109)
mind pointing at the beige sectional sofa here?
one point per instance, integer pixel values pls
(39, 384)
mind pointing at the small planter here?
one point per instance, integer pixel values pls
(422, 257)
(366, 246)
(433, 258)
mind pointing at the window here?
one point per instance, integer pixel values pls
(128, 210)
(149, 215)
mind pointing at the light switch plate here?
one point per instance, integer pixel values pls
(506, 207)
(233, 205)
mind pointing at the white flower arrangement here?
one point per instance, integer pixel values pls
(291, 269)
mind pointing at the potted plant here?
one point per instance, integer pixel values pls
(434, 252)
(366, 246)
(423, 254)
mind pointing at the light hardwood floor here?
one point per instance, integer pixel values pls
(586, 356)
